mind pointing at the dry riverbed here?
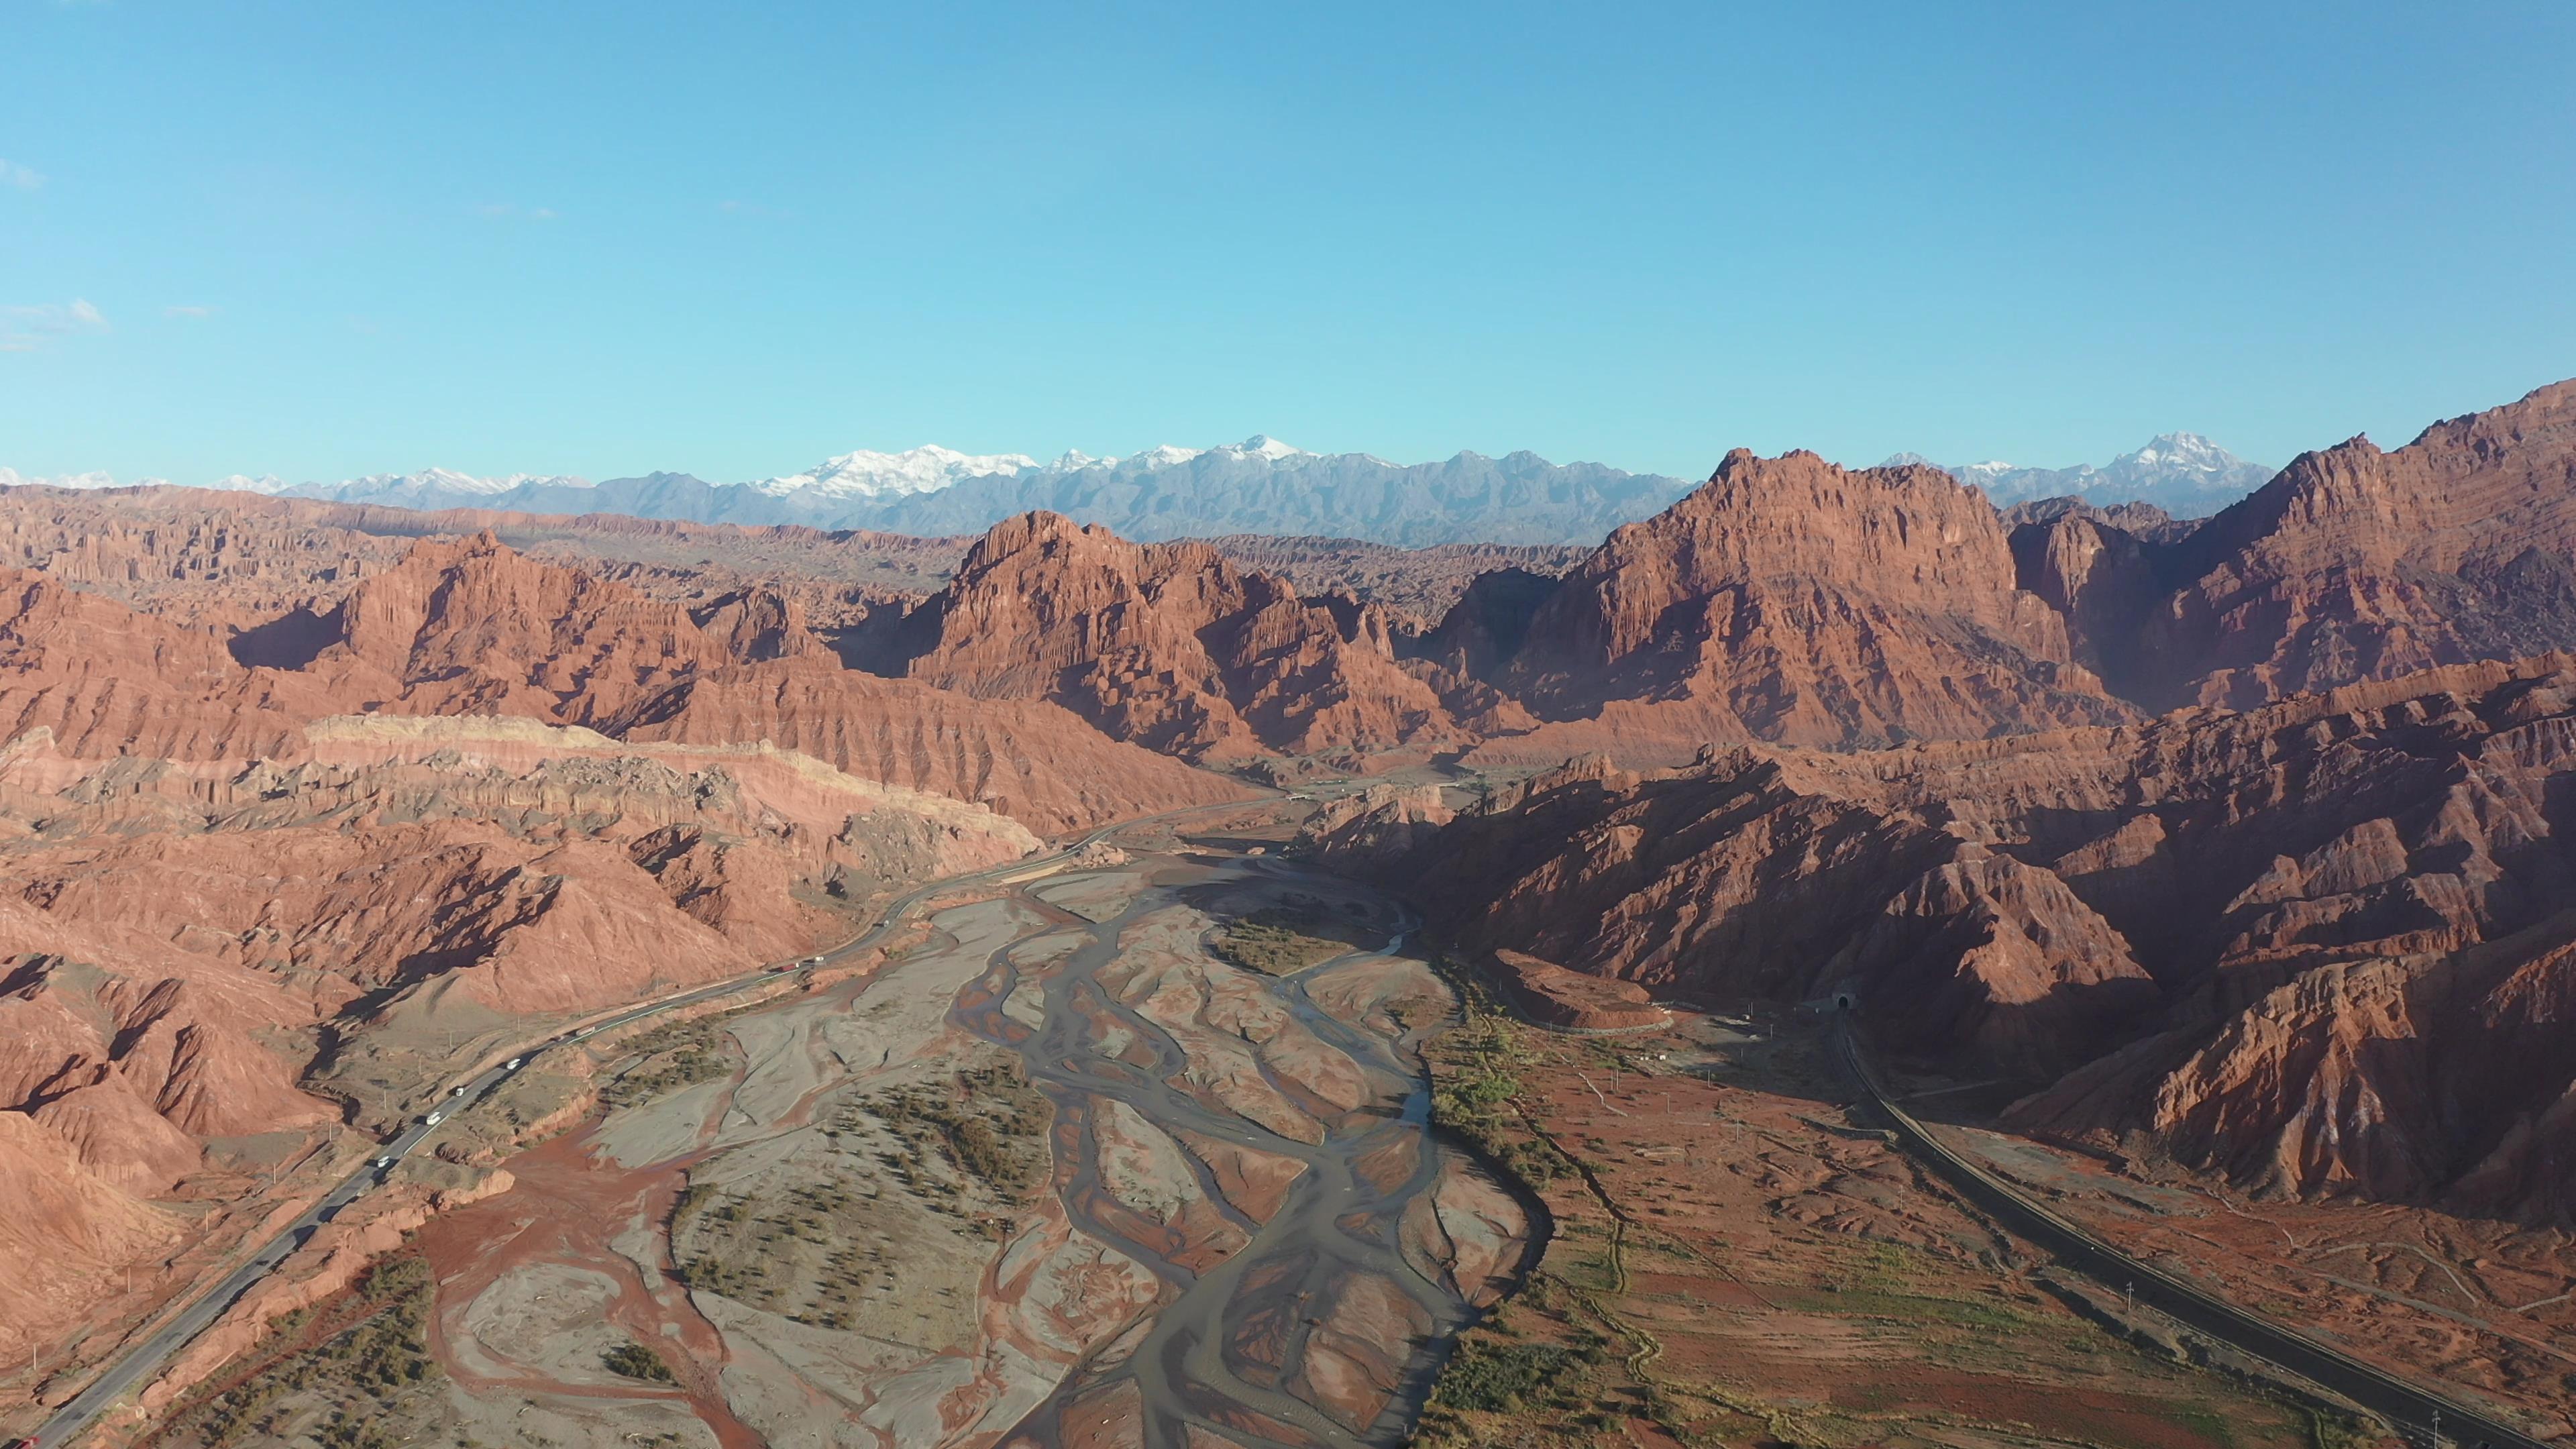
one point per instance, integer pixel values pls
(1060, 1174)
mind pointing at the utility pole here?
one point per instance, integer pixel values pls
(2131, 1294)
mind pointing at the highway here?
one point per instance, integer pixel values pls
(2416, 1411)
(145, 1359)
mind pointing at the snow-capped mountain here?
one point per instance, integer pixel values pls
(432, 488)
(1260, 485)
(2185, 474)
(894, 475)
(12, 478)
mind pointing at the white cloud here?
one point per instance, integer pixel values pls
(20, 175)
(24, 329)
(188, 310)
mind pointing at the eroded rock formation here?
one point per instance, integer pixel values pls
(2320, 946)
(1167, 645)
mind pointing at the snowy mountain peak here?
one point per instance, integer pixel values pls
(1164, 455)
(2184, 473)
(1262, 445)
(12, 478)
(448, 480)
(2188, 451)
(864, 474)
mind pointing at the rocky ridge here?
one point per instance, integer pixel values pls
(2319, 946)
(1788, 599)
(1166, 645)
(196, 952)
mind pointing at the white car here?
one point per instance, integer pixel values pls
(514, 1064)
(383, 1162)
(433, 1119)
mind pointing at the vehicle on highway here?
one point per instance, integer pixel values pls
(433, 1119)
(459, 1092)
(514, 1064)
(813, 960)
(383, 1162)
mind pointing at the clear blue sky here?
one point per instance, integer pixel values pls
(324, 239)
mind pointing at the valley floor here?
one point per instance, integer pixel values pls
(1062, 1173)
(1736, 1261)
(1140, 1155)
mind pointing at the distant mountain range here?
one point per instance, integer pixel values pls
(2184, 474)
(1258, 486)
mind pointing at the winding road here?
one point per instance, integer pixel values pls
(2417, 1410)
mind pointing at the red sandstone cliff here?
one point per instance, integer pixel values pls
(1169, 646)
(2333, 933)
(1789, 599)
(2359, 564)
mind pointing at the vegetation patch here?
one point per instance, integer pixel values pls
(1493, 1376)
(1476, 1086)
(1283, 940)
(635, 1361)
(366, 1367)
(668, 1058)
(971, 1149)
(988, 1130)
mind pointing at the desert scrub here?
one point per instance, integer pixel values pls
(667, 1058)
(1280, 940)
(1474, 1081)
(1497, 1377)
(344, 1391)
(635, 1361)
(988, 1129)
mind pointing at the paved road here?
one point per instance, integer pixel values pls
(2424, 1415)
(145, 1359)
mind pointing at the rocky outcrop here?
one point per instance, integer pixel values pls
(1736, 877)
(1033, 761)
(1572, 1000)
(103, 680)
(2358, 564)
(1167, 646)
(64, 1230)
(1379, 825)
(474, 627)
(2322, 946)
(1792, 600)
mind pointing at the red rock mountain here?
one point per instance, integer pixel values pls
(1741, 876)
(1167, 645)
(197, 950)
(2352, 564)
(2334, 933)
(1792, 600)
(473, 627)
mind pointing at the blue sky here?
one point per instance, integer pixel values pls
(318, 240)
